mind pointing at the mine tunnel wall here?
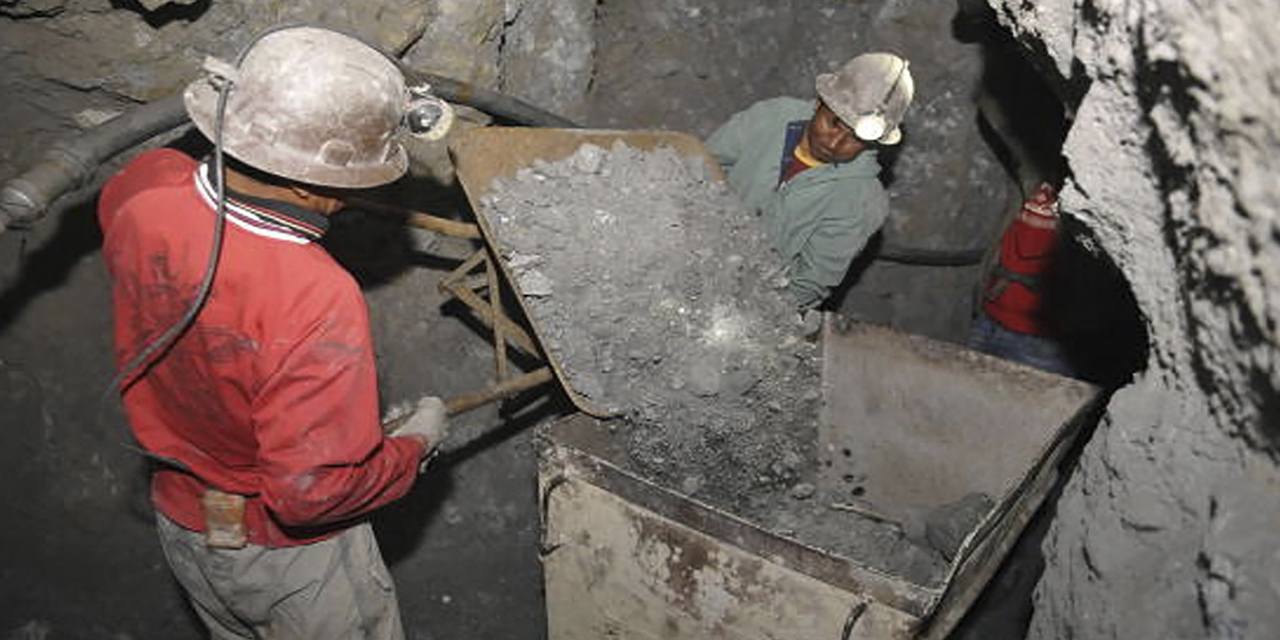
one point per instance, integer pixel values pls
(1165, 529)
(1161, 531)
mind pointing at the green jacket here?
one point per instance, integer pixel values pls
(822, 218)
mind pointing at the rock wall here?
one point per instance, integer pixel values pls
(1168, 528)
(548, 54)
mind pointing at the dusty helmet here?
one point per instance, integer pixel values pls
(310, 105)
(870, 93)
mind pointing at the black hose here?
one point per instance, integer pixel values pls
(71, 164)
(490, 102)
(930, 257)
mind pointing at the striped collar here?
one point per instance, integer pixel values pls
(266, 217)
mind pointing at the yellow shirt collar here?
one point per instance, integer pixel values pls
(803, 156)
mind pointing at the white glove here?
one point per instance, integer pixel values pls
(810, 322)
(428, 420)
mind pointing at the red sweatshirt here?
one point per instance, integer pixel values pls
(272, 392)
(1012, 297)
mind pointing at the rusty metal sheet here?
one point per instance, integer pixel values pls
(580, 451)
(615, 570)
(912, 422)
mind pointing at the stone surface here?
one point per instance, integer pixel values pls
(462, 39)
(1172, 138)
(548, 55)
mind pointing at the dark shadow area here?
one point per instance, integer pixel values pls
(975, 22)
(888, 156)
(190, 617)
(192, 143)
(166, 13)
(47, 268)
(519, 413)
(462, 313)
(376, 247)
(511, 307)
(857, 269)
(1092, 311)
(1001, 150)
(401, 524)
(1268, 422)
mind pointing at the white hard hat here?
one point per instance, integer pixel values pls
(308, 104)
(870, 93)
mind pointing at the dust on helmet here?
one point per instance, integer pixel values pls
(308, 104)
(870, 93)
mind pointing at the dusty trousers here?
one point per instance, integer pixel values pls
(334, 589)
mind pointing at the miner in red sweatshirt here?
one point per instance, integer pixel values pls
(264, 409)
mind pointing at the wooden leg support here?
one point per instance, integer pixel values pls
(462, 285)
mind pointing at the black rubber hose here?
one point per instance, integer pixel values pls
(70, 164)
(930, 257)
(490, 102)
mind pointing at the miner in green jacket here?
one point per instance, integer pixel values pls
(811, 171)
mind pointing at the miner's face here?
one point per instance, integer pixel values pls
(830, 139)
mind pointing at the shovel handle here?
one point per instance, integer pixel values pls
(412, 218)
(468, 401)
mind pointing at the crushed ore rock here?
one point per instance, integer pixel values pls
(661, 299)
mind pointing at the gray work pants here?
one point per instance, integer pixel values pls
(336, 589)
